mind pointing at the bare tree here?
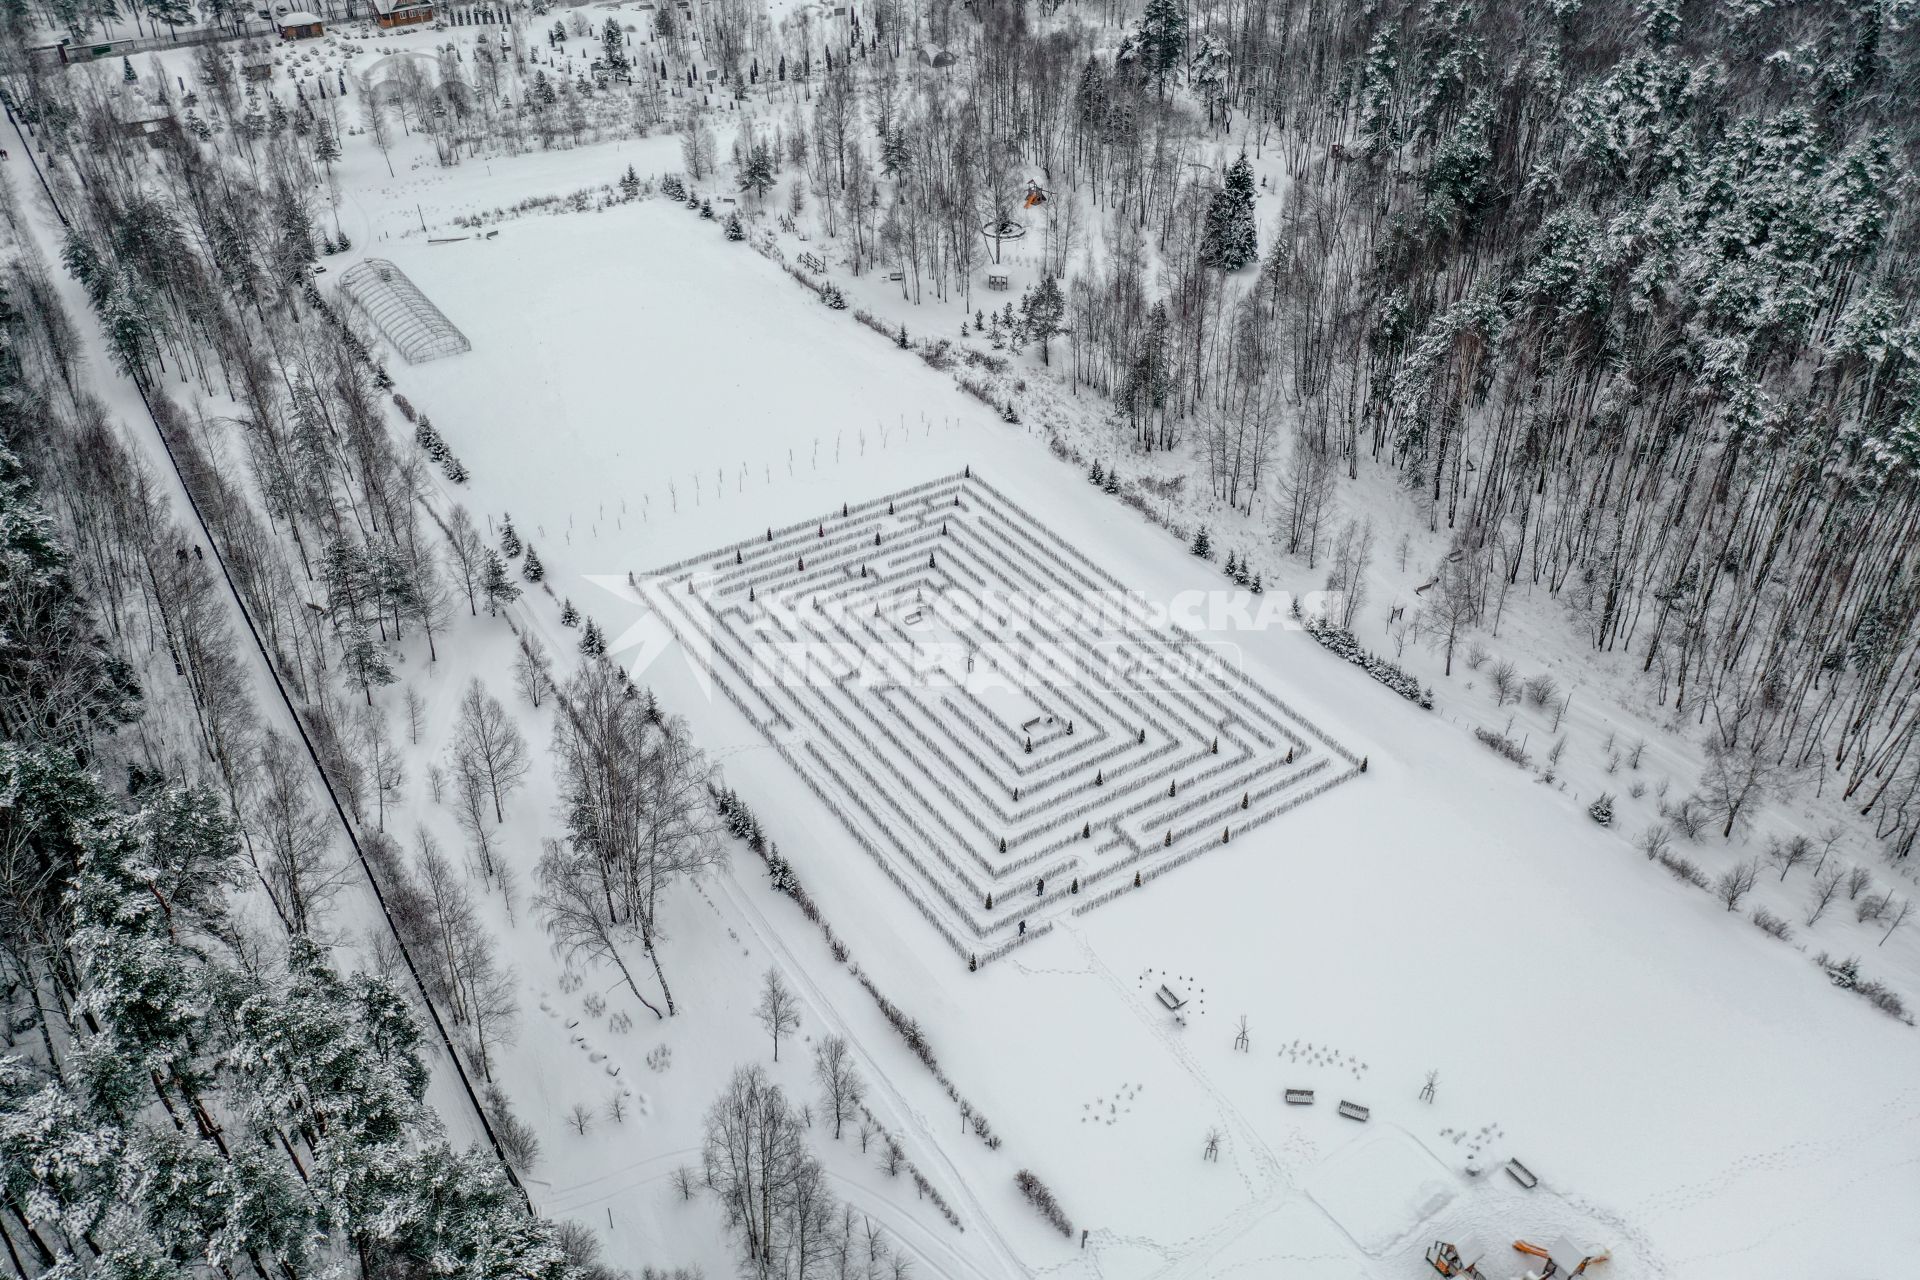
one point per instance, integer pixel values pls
(478, 992)
(1789, 853)
(294, 836)
(469, 551)
(531, 668)
(636, 799)
(1826, 887)
(1455, 606)
(753, 1153)
(1738, 777)
(577, 916)
(580, 1118)
(1736, 882)
(487, 745)
(1899, 918)
(416, 707)
(1347, 570)
(840, 1085)
(470, 809)
(386, 769)
(1306, 499)
(778, 1010)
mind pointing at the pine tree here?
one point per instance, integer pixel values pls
(127, 73)
(630, 184)
(496, 585)
(1095, 475)
(326, 148)
(613, 48)
(758, 170)
(532, 569)
(1231, 240)
(510, 544)
(1044, 314)
(734, 230)
(569, 616)
(1160, 40)
(592, 643)
(1202, 544)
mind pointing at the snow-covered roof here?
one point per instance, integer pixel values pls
(299, 18)
(386, 7)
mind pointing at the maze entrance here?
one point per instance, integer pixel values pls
(996, 721)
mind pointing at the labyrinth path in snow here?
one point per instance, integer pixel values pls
(1004, 728)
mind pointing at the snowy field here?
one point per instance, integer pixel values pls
(644, 396)
(1438, 913)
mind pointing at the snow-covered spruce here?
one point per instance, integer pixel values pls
(1341, 642)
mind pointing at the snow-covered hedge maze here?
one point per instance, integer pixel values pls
(995, 720)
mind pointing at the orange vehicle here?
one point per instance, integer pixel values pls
(1451, 1260)
(1562, 1259)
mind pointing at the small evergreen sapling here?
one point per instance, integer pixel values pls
(1601, 810)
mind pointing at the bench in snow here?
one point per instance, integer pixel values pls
(1354, 1111)
(1522, 1175)
(1300, 1097)
(1166, 997)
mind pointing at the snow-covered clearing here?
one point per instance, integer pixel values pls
(641, 392)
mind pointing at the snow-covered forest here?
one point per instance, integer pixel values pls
(442, 833)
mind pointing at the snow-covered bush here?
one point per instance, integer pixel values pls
(1041, 1197)
(1340, 641)
(1501, 743)
(1601, 810)
(1769, 923)
(1683, 869)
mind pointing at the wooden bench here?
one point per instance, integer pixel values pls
(1300, 1097)
(1166, 997)
(1354, 1111)
(1522, 1175)
(896, 276)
